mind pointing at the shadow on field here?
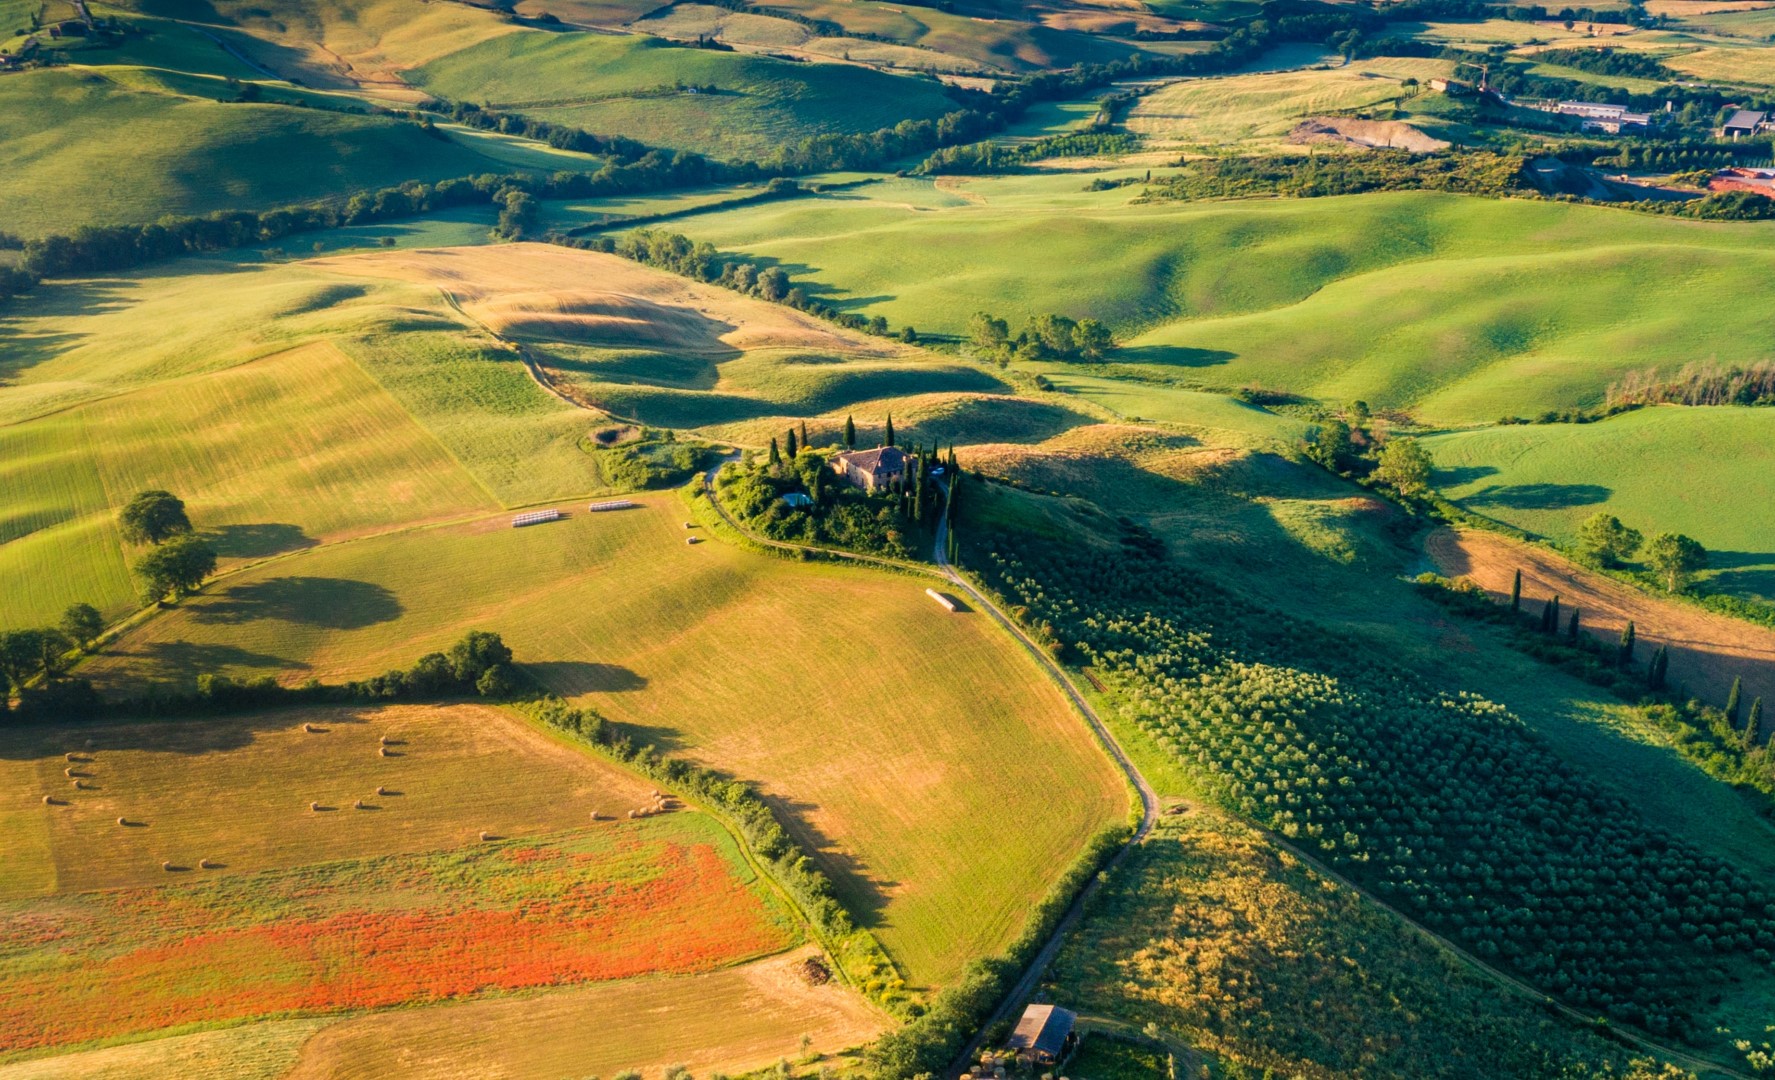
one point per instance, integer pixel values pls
(258, 541)
(1174, 355)
(1462, 476)
(329, 603)
(864, 894)
(572, 677)
(1539, 496)
(193, 736)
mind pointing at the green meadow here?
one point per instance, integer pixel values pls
(658, 92)
(1458, 309)
(1699, 471)
(66, 166)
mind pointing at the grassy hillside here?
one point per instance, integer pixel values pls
(940, 812)
(1459, 309)
(1704, 472)
(643, 88)
(189, 154)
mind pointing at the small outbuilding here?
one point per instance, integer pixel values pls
(1744, 124)
(1044, 1036)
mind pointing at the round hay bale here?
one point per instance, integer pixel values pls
(49, 800)
(205, 864)
(384, 740)
(71, 756)
(314, 808)
(486, 835)
(79, 786)
(357, 804)
(631, 814)
(382, 752)
(166, 866)
(69, 771)
(120, 821)
(307, 727)
(381, 792)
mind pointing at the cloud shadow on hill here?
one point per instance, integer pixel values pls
(329, 603)
(1463, 475)
(1539, 496)
(1172, 356)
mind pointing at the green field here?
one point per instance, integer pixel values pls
(186, 154)
(1703, 472)
(642, 87)
(920, 795)
(1458, 309)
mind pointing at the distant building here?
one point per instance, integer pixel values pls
(1744, 124)
(1043, 1036)
(1595, 116)
(872, 469)
(1757, 181)
(1451, 87)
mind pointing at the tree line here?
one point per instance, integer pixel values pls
(980, 158)
(1480, 172)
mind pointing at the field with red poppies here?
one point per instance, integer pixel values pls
(404, 912)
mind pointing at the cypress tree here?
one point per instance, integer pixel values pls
(818, 487)
(1733, 700)
(1549, 613)
(793, 448)
(850, 433)
(1655, 670)
(776, 455)
(918, 503)
(805, 444)
(1753, 728)
(1625, 656)
(888, 436)
(1553, 620)
(1571, 629)
(1516, 592)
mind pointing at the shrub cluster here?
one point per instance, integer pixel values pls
(1046, 337)
(1441, 802)
(1467, 172)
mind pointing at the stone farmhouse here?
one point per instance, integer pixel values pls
(873, 469)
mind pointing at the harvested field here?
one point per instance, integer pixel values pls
(541, 290)
(734, 1021)
(1707, 651)
(236, 791)
(1348, 131)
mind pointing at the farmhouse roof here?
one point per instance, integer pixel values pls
(1746, 119)
(886, 457)
(1044, 1029)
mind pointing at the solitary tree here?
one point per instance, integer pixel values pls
(1658, 668)
(1753, 727)
(1675, 556)
(1405, 466)
(1605, 541)
(83, 624)
(792, 448)
(175, 568)
(1734, 700)
(1625, 655)
(1516, 592)
(153, 517)
(850, 433)
(20, 653)
(888, 436)
(805, 444)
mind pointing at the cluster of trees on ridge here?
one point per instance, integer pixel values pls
(1470, 172)
(1441, 802)
(1046, 337)
(892, 521)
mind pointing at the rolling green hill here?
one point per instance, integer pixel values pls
(1699, 471)
(1459, 309)
(650, 90)
(66, 163)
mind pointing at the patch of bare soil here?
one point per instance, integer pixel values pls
(1706, 650)
(1372, 134)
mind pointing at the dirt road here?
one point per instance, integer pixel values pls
(1706, 650)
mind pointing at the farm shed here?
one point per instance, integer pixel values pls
(1744, 124)
(1044, 1035)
